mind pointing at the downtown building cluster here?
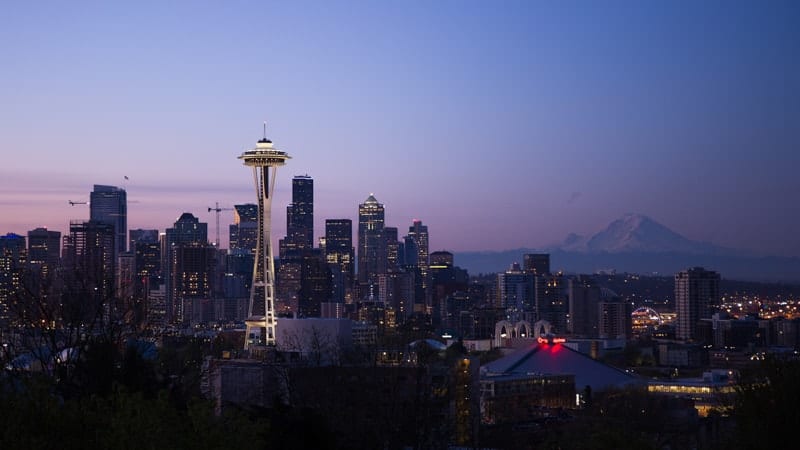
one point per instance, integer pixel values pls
(369, 272)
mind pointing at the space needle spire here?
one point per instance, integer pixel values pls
(261, 321)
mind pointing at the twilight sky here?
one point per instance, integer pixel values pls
(499, 124)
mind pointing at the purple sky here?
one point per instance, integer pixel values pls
(498, 124)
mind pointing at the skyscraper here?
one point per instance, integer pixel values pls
(696, 296)
(418, 263)
(419, 233)
(300, 213)
(392, 249)
(187, 232)
(371, 241)
(340, 255)
(109, 204)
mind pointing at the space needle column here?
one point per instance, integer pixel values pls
(261, 322)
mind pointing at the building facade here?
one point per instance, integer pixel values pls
(696, 297)
(109, 205)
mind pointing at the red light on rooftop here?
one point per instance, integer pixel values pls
(550, 340)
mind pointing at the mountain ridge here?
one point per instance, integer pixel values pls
(636, 243)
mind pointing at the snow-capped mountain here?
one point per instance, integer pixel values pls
(637, 244)
(636, 233)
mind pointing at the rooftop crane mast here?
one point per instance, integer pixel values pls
(217, 209)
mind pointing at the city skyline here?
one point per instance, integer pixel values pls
(498, 127)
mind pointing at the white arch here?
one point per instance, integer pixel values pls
(523, 328)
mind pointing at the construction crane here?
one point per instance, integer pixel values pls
(77, 203)
(217, 209)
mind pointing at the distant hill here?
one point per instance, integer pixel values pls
(638, 244)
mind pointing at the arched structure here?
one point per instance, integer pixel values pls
(506, 329)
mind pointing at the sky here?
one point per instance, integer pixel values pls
(499, 124)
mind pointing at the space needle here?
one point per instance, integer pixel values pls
(261, 322)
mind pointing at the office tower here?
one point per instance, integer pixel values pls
(536, 263)
(696, 296)
(584, 300)
(187, 231)
(260, 324)
(13, 261)
(419, 234)
(410, 253)
(371, 241)
(550, 303)
(300, 213)
(44, 251)
(187, 228)
(340, 255)
(109, 204)
(244, 230)
(392, 248)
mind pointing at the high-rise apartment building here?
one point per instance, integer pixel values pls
(371, 241)
(696, 296)
(109, 205)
